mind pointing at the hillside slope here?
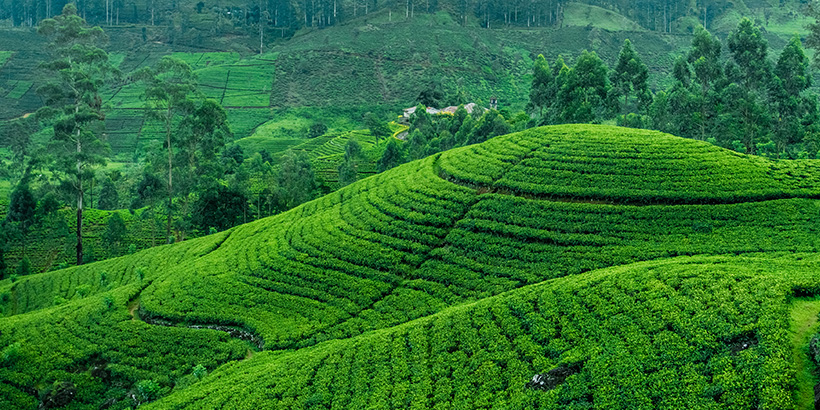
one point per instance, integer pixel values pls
(433, 237)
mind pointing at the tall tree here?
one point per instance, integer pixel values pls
(584, 90)
(3, 265)
(109, 197)
(750, 52)
(791, 80)
(80, 67)
(751, 70)
(20, 216)
(542, 86)
(377, 127)
(629, 77)
(114, 235)
(168, 89)
(297, 179)
(202, 137)
(148, 193)
(16, 135)
(391, 157)
(704, 58)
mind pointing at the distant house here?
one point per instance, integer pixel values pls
(408, 112)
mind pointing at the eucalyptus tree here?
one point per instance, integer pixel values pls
(630, 77)
(78, 69)
(169, 88)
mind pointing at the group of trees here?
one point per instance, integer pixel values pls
(744, 102)
(193, 179)
(283, 17)
(430, 134)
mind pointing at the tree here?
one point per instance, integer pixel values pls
(109, 197)
(630, 77)
(21, 211)
(115, 231)
(746, 110)
(584, 90)
(491, 124)
(378, 128)
(297, 180)
(80, 68)
(542, 90)
(16, 135)
(430, 96)
(148, 192)
(791, 80)
(219, 207)
(317, 129)
(813, 38)
(168, 87)
(391, 157)
(352, 149)
(347, 172)
(3, 265)
(704, 58)
(750, 52)
(202, 136)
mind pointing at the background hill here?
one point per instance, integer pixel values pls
(455, 279)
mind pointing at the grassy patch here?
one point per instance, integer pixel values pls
(5, 56)
(579, 14)
(804, 325)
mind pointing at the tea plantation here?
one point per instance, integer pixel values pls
(628, 268)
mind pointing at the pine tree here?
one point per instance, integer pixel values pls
(3, 265)
(297, 179)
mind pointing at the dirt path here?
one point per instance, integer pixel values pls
(132, 308)
(804, 325)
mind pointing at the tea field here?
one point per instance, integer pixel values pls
(450, 282)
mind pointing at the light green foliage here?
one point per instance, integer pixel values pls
(615, 164)
(452, 280)
(587, 15)
(5, 56)
(639, 335)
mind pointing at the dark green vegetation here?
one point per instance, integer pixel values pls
(451, 281)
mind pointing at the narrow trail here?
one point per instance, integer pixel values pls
(132, 308)
(804, 325)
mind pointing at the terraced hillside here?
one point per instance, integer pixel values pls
(450, 282)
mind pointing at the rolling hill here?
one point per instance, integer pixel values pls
(634, 269)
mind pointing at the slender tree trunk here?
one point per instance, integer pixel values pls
(170, 175)
(79, 208)
(153, 228)
(80, 193)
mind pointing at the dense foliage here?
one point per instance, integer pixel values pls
(634, 337)
(408, 244)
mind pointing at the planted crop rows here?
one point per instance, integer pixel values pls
(438, 285)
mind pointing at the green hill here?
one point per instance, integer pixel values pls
(450, 282)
